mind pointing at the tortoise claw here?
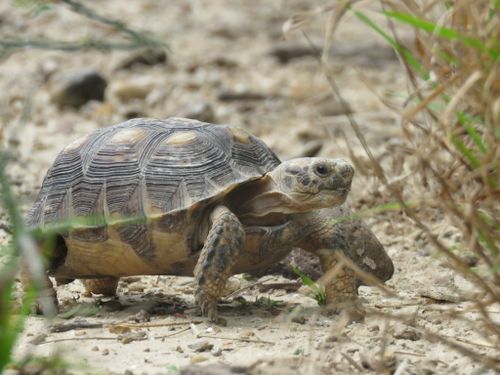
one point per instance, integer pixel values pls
(208, 307)
(353, 308)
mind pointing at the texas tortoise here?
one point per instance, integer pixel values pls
(182, 197)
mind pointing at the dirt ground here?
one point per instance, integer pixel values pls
(223, 64)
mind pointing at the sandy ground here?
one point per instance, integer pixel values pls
(217, 47)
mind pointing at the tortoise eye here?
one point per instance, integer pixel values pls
(321, 170)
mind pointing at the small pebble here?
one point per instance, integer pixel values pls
(407, 333)
(134, 88)
(228, 95)
(299, 319)
(38, 339)
(201, 346)
(95, 349)
(112, 306)
(374, 328)
(132, 336)
(247, 333)
(79, 88)
(136, 288)
(199, 110)
(118, 329)
(285, 52)
(216, 352)
(332, 338)
(142, 317)
(105, 352)
(197, 358)
(143, 57)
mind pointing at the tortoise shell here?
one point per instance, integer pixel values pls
(145, 168)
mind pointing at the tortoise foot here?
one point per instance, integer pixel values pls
(352, 307)
(46, 305)
(105, 286)
(208, 306)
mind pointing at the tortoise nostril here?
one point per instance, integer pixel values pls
(346, 171)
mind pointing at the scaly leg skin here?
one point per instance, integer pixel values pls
(46, 302)
(217, 259)
(105, 286)
(340, 285)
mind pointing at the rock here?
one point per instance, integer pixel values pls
(332, 338)
(132, 336)
(214, 369)
(286, 52)
(374, 328)
(470, 259)
(199, 110)
(79, 88)
(229, 95)
(119, 329)
(133, 112)
(332, 108)
(136, 288)
(358, 54)
(38, 339)
(441, 294)
(247, 333)
(111, 306)
(197, 358)
(216, 351)
(299, 319)
(407, 333)
(143, 57)
(201, 346)
(135, 88)
(105, 352)
(142, 316)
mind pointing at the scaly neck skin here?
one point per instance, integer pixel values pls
(265, 199)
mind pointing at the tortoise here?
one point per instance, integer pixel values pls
(183, 197)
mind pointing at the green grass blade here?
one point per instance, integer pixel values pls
(466, 152)
(444, 32)
(465, 121)
(412, 60)
(319, 293)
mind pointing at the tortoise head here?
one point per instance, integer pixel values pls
(312, 183)
(300, 185)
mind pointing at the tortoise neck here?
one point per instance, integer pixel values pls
(262, 198)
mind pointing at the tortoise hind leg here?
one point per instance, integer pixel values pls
(105, 286)
(217, 259)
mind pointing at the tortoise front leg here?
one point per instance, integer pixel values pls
(339, 280)
(217, 259)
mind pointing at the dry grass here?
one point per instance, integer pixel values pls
(450, 153)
